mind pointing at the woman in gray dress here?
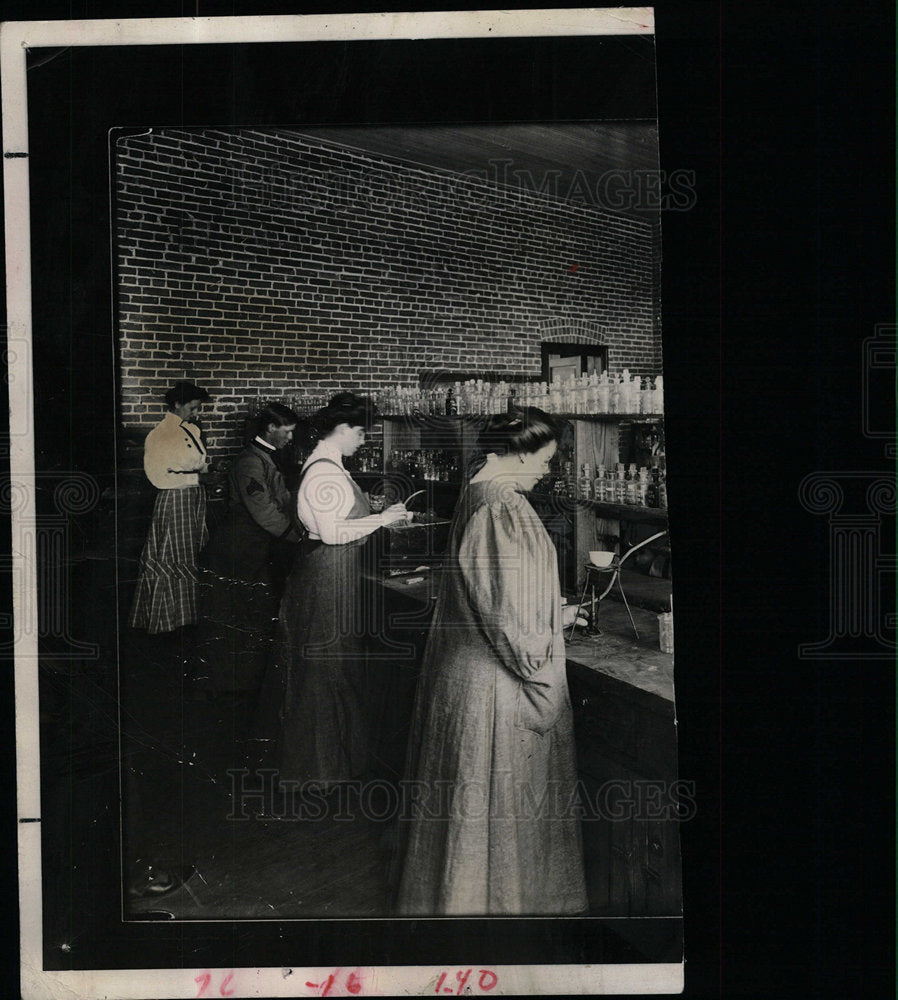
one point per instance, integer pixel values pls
(494, 826)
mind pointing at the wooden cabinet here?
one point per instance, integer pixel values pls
(626, 757)
(433, 452)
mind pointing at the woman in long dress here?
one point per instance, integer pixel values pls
(319, 662)
(494, 824)
(174, 455)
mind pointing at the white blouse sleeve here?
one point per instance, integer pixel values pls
(325, 499)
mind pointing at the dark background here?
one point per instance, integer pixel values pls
(770, 286)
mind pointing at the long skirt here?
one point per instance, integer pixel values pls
(241, 581)
(318, 672)
(166, 582)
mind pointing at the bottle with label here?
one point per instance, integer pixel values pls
(451, 403)
(598, 485)
(584, 491)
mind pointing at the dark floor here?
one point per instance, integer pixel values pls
(269, 858)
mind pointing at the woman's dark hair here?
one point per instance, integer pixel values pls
(185, 392)
(344, 408)
(521, 431)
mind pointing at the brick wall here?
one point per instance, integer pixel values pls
(267, 265)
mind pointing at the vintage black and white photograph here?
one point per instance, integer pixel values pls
(395, 584)
(371, 377)
(365, 618)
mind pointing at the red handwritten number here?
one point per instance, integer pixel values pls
(353, 983)
(328, 983)
(462, 980)
(483, 983)
(440, 983)
(222, 990)
(205, 979)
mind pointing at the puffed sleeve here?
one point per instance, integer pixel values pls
(253, 483)
(511, 584)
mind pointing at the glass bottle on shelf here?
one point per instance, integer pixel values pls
(658, 395)
(636, 394)
(614, 395)
(584, 487)
(642, 486)
(625, 403)
(652, 498)
(592, 393)
(451, 405)
(603, 401)
(598, 486)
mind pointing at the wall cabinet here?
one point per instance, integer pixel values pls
(432, 453)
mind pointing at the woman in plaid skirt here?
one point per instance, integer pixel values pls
(174, 454)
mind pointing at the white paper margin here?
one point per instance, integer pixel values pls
(15, 39)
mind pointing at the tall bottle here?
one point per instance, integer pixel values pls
(614, 396)
(603, 395)
(592, 394)
(451, 402)
(658, 395)
(636, 394)
(625, 403)
(599, 486)
(554, 398)
(652, 498)
(584, 487)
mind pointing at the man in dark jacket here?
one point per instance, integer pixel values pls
(246, 563)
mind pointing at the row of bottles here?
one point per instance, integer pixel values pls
(435, 464)
(368, 458)
(583, 394)
(623, 485)
(594, 393)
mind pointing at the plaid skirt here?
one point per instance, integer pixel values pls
(166, 582)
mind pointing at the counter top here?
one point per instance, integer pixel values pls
(616, 654)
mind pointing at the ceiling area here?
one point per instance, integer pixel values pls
(570, 159)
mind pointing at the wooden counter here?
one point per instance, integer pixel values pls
(617, 654)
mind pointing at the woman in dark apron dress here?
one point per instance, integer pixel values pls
(319, 654)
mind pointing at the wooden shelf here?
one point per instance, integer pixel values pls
(626, 511)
